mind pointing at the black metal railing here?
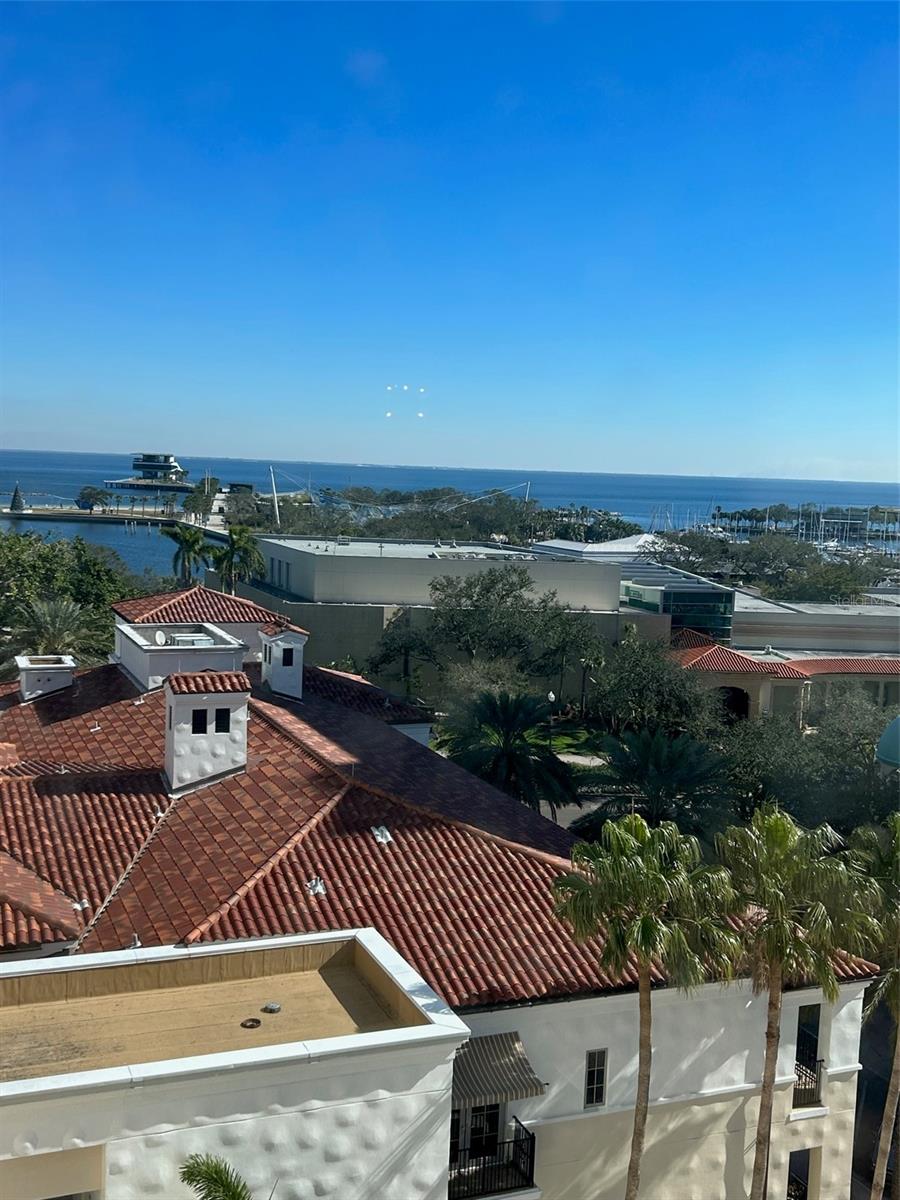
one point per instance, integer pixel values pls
(505, 1167)
(808, 1078)
(797, 1188)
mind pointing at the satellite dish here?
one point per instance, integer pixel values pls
(159, 637)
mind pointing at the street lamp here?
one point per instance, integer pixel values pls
(551, 699)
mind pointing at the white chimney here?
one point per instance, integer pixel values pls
(41, 674)
(282, 659)
(206, 726)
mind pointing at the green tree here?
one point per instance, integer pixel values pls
(192, 550)
(212, 1178)
(199, 502)
(492, 615)
(641, 686)
(58, 626)
(808, 902)
(824, 774)
(92, 497)
(645, 895)
(825, 582)
(16, 504)
(239, 558)
(877, 850)
(662, 778)
(499, 739)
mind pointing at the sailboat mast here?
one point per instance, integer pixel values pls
(275, 498)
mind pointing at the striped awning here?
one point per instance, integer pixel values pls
(491, 1069)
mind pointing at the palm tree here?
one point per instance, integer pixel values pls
(212, 1178)
(239, 558)
(663, 778)
(877, 849)
(809, 903)
(497, 738)
(644, 892)
(57, 626)
(192, 550)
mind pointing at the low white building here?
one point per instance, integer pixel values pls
(302, 1061)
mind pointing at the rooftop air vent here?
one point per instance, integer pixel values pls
(316, 886)
(382, 834)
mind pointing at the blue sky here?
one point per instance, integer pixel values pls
(640, 237)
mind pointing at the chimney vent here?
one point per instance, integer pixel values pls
(206, 727)
(282, 659)
(43, 674)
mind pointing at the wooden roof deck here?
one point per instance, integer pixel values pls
(87, 1020)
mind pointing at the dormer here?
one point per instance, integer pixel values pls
(206, 727)
(282, 659)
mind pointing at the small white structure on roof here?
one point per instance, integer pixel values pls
(322, 1058)
(40, 674)
(282, 659)
(206, 727)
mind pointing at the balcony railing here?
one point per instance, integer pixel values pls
(506, 1168)
(808, 1078)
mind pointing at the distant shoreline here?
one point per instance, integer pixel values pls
(488, 469)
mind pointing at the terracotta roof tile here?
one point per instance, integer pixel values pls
(194, 604)
(76, 832)
(24, 893)
(462, 889)
(356, 693)
(207, 683)
(846, 666)
(723, 660)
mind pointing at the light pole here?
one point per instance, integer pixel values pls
(551, 699)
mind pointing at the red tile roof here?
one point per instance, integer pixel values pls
(26, 898)
(697, 653)
(207, 683)
(195, 604)
(78, 834)
(462, 889)
(847, 666)
(356, 693)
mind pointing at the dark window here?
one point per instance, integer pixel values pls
(287, 657)
(223, 720)
(484, 1131)
(454, 1137)
(198, 720)
(595, 1078)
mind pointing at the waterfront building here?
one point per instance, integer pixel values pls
(153, 473)
(234, 803)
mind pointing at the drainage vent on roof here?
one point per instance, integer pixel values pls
(316, 886)
(271, 1006)
(382, 834)
(95, 728)
(251, 1023)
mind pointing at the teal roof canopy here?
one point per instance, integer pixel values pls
(888, 749)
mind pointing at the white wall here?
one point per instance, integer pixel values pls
(150, 665)
(707, 1043)
(344, 577)
(352, 1128)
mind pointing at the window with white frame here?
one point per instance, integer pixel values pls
(595, 1078)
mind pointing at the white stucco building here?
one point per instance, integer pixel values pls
(193, 851)
(114, 1068)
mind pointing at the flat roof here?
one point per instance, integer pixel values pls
(69, 1017)
(385, 548)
